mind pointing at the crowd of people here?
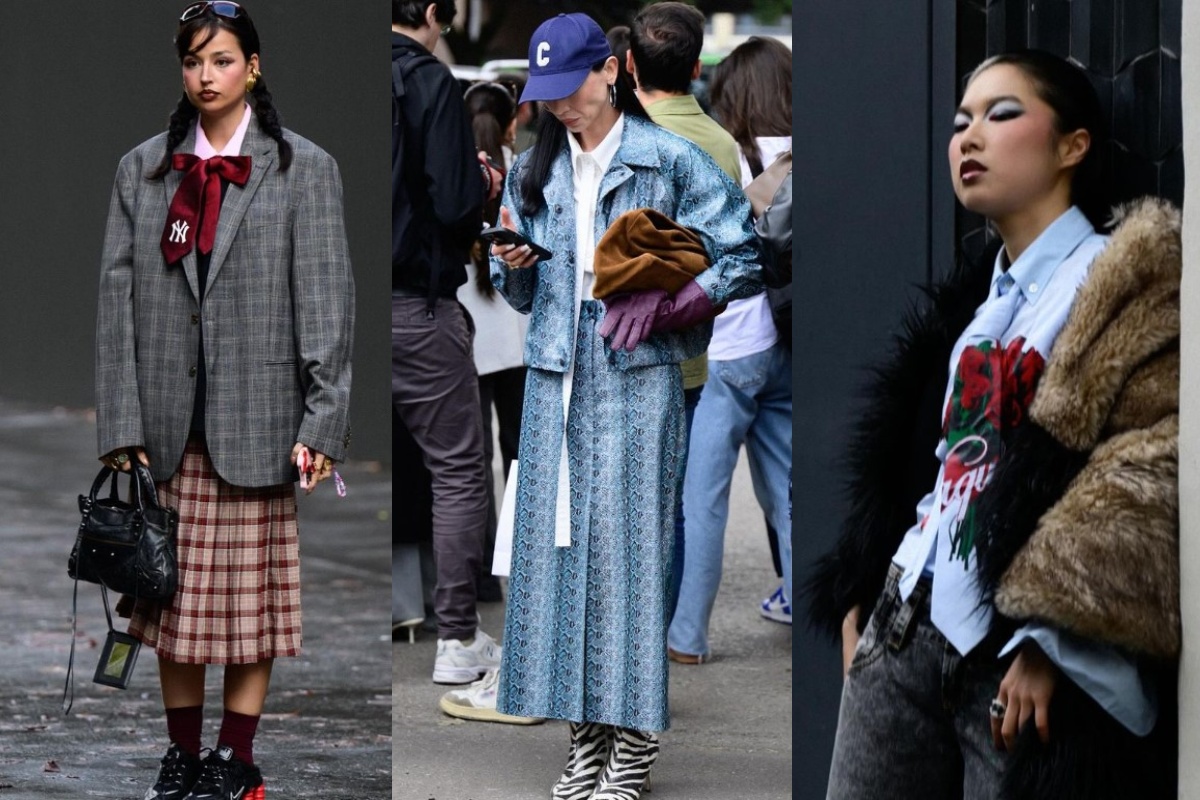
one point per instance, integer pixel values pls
(589, 339)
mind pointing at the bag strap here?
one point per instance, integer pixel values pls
(761, 190)
(69, 685)
(147, 496)
(68, 698)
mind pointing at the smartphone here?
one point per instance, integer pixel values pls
(505, 236)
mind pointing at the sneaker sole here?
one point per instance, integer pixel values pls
(457, 677)
(774, 616)
(474, 714)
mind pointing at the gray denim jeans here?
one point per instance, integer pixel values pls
(914, 719)
(436, 392)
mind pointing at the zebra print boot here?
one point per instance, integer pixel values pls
(627, 772)
(590, 742)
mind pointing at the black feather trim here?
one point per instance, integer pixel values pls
(890, 460)
(1033, 474)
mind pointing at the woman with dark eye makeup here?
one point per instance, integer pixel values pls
(224, 329)
(1009, 609)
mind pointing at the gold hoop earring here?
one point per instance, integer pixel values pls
(252, 81)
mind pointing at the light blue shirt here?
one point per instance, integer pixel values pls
(1047, 275)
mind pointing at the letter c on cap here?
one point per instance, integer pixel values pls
(542, 59)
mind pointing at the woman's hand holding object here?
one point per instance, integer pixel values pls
(632, 317)
(515, 256)
(314, 467)
(122, 458)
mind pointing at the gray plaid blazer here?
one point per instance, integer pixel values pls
(277, 317)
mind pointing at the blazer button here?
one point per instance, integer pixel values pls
(195, 319)
(191, 372)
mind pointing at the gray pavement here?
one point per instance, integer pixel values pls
(325, 732)
(731, 734)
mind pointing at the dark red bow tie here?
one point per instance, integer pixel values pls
(197, 202)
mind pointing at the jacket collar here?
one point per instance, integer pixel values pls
(263, 154)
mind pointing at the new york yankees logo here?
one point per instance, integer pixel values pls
(179, 231)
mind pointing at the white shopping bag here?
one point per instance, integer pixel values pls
(502, 560)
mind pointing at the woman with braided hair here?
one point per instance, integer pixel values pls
(226, 312)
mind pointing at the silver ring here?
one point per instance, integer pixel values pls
(997, 709)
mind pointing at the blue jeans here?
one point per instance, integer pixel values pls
(914, 715)
(691, 398)
(747, 400)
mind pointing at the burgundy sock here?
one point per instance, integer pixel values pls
(237, 733)
(183, 727)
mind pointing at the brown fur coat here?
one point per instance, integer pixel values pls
(1103, 561)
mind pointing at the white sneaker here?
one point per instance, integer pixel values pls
(478, 702)
(460, 663)
(777, 607)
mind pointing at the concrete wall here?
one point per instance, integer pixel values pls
(1189, 427)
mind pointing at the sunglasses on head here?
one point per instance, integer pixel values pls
(221, 9)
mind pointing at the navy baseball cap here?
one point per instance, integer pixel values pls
(562, 52)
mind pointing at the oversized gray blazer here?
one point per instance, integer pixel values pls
(277, 317)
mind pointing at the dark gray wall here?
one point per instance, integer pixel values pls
(875, 86)
(84, 83)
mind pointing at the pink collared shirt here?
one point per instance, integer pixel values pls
(233, 147)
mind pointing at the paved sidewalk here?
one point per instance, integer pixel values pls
(731, 734)
(325, 733)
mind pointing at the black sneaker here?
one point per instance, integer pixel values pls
(176, 775)
(223, 777)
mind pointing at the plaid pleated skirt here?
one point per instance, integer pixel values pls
(238, 600)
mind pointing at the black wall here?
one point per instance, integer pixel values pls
(1130, 50)
(84, 83)
(874, 215)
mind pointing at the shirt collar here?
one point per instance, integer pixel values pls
(232, 148)
(604, 152)
(1035, 267)
(680, 105)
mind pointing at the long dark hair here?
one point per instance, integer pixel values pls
(1073, 99)
(552, 138)
(751, 94)
(491, 110)
(206, 25)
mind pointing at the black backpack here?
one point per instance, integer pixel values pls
(401, 67)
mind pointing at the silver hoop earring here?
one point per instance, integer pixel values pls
(612, 95)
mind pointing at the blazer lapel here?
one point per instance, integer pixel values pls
(171, 183)
(262, 150)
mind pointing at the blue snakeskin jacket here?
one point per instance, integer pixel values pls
(652, 168)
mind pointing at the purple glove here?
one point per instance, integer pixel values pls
(686, 308)
(630, 317)
(636, 315)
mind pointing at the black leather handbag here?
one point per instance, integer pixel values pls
(126, 547)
